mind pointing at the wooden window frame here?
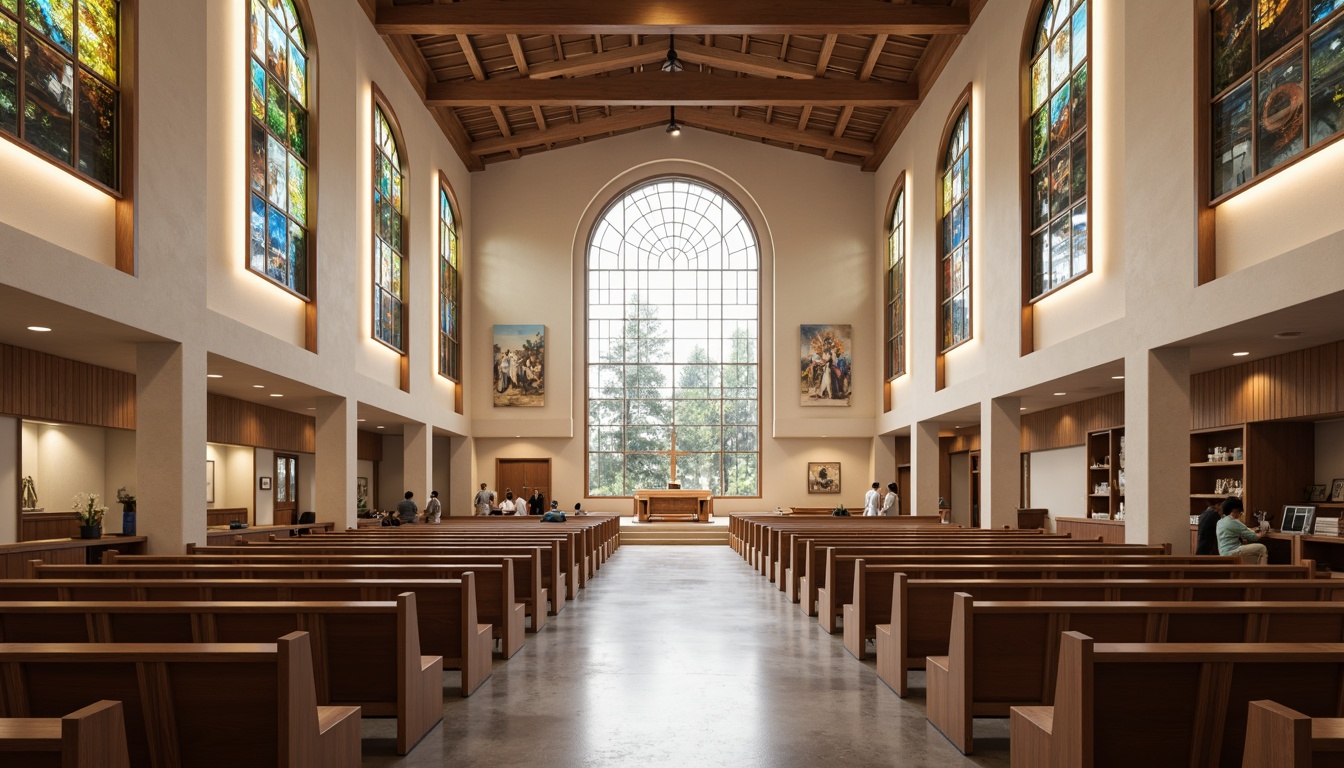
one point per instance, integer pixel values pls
(961, 107)
(446, 189)
(380, 104)
(1028, 339)
(895, 327)
(1207, 202)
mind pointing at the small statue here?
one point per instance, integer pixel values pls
(29, 493)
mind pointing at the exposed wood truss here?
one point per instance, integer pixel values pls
(834, 78)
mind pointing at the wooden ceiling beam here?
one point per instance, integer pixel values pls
(746, 63)
(603, 61)
(642, 118)
(685, 17)
(653, 53)
(683, 89)
(724, 121)
(408, 57)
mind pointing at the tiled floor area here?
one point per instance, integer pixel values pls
(684, 656)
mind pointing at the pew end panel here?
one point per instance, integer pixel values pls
(419, 680)
(93, 737)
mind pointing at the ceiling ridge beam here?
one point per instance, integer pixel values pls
(686, 17)
(683, 89)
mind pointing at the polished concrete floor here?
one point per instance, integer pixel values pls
(684, 656)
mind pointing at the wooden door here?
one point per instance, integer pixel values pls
(975, 488)
(903, 482)
(286, 488)
(522, 476)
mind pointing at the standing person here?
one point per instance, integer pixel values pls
(407, 509)
(872, 501)
(1232, 533)
(434, 509)
(537, 504)
(483, 501)
(1206, 540)
(507, 506)
(892, 502)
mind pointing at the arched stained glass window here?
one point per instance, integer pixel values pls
(60, 88)
(450, 291)
(279, 243)
(673, 343)
(1276, 83)
(954, 289)
(896, 289)
(389, 232)
(1057, 126)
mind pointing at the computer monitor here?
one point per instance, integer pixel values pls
(1298, 518)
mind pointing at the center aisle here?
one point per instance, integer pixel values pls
(684, 656)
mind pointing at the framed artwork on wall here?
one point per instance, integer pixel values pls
(519, 366)
(361, 487)
(209, 482)
(823, 477)
(824, 368)
(265, 484)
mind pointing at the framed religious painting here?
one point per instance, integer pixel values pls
(519, 366)
(823, 477)
(825, 375)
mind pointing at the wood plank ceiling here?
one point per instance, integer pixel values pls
(835, 78)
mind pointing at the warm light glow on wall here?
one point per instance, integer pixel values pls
(1320, 171)
(233, 141)
(40, 198)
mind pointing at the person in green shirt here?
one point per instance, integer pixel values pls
(1234, 538)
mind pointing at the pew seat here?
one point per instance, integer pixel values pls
(1279, 737)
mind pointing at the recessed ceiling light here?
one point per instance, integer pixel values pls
(361, 419)
(1287, 334)
(380, 426)
(258, 386)
(1023, 408)
(214, 375)
(1117, 377)
(276, 394)
(312, 407)
(1060, 394)
(1240, 354)
(39, 328)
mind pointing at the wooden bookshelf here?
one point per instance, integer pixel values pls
(1105, 472)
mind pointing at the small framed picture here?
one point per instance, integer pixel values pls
(823, 477)
(1337, 489)
(265, 484)
(1317, 492)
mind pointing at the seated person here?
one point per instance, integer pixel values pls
(578, 508)
(1206, 540)
(509, 507)
(409, 511)
(392, 518)
(1234, 538)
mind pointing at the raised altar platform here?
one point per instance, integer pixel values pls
(674, 504)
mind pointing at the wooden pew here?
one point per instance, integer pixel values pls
(921, 611)
(1279, 737)
(496, 599)
(872, 591)
(446, 607)
(205, 705)
(366, 654)
(1169, 704)
(92, 737)
(1003, 654)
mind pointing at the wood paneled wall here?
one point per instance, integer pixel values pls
(1068, 425)
(35, 385)
(370, 446)
(1292, 385)
(238, 422)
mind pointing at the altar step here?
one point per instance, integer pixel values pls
(675, 534)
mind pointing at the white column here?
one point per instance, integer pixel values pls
(924, 468)
(170, 445)
(1000, 462)
(337, 461)
(417, 455)
(1157, 448)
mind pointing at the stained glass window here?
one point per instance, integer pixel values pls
(278, 161)
(60, 91)
(1277, 85)
(1057, 128)
(389, 232)
(673, 343)
(450, 291)
(896, 289)
(954, 285)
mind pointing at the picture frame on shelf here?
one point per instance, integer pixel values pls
(1337, 489)
(1317, 492)
(823, 477)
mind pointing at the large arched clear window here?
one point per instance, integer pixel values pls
(389, 233)
(1276, 84)
(954, 210)
(450, 290)
(279, 242)
(896, 288)
(1057, 126)
(60, 91)
(673, 356)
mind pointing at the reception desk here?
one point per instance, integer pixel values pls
(664, 505)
